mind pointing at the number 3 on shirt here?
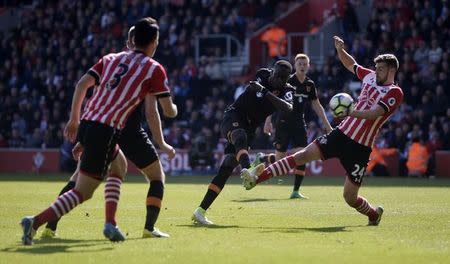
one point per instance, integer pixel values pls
(123, 69)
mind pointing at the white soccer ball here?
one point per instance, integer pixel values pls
(340, 104)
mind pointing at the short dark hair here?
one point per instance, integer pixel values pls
(390, 60)
(145, 32)
(284, 64)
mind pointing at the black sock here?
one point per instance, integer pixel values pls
(244, 160)
(154, 198)
(69, 186)
(216, 186)
(299, 175)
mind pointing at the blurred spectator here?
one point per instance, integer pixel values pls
(417, 158)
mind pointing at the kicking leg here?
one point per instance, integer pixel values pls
(283, 166)
(214, 188)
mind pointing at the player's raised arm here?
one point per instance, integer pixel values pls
(346, 59)
(86, 81)
(279, 103)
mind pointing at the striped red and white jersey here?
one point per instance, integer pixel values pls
(389, 97)
(122, 82)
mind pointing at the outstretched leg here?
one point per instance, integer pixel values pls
(282, 167)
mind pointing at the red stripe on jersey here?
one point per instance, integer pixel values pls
(127, 103)
(364, 124)
(115, 94)
(111, 66)
(371, 137)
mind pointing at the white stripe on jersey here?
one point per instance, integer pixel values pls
(101, 111)
(135, 94)
(113, 92)
(364, 120)
(369, 135)
(104, 91)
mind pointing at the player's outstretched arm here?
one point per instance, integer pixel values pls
(373, 113)
(346, 59)
(79, 94)
(320, 112)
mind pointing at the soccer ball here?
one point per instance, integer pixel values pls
(340, 104)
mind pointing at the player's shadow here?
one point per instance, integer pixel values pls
(214, 226)
(251, 200)
(328, 229)
(57, 245)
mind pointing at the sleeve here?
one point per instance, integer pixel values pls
(360, 71)
(391, 100)
(158, 84)
(96, 71)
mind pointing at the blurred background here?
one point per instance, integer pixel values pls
(211, 49)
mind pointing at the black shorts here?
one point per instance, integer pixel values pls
(289, 133)
(99, 147)
(352, 155)
(232, 120)
(137, 147)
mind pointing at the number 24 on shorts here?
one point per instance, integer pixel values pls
(358, 173)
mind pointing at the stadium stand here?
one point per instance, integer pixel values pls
(57, 41)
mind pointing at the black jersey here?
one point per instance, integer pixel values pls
(254, 106)
(304, 92)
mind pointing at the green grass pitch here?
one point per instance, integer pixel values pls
(257, 226)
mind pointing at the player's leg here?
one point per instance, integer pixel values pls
(355, 162)
(50, 228)
(98, 150)
(322, 148)
(156, 176)
(113, 183)
(282, 167)
(299, 141)
(238, 137)
(215, 187)
(138, 148)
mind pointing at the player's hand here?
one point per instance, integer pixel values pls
(268, 128)
(255, 86)
(71, 129)
(328, 129)
(338, 43)
(168, 149)
(77, 151)
(310, 84)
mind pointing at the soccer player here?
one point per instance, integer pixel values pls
(352, 140)
(290, 128)
(260, 99)
(123, 80)
(135, 142)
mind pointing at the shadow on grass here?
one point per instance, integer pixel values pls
(58, 245)
(257, 200)
(210, 226)
(50, 246)
(328, 229)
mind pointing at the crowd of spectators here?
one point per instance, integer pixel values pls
(57, 41)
